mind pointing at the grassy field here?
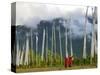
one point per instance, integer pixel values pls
(19, 70)
(39, 65)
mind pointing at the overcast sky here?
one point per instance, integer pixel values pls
(27, 11)
(31, 14)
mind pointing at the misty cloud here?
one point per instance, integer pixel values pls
(30, 14)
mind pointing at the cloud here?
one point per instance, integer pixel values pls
(76, 21)
(26, 11)
(31, 14)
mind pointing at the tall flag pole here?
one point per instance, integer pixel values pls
(52, 45)
(95, 29)
(66, 51)
(84, 46)
(27, 50)
(71, 39)
(31, 47)
(55, 41)
(93, 44)
(46, 44)
(54, 30)
(42, 55)
(22, 54)
(92, 40)
(36, 47)
(60, 45)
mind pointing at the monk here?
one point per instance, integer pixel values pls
(68, 61)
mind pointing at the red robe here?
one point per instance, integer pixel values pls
(68, 61)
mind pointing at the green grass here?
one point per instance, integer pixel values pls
(44, 65)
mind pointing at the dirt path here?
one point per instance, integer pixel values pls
(54, 68)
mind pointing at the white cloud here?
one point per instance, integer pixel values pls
(31, 14)
(26, 11)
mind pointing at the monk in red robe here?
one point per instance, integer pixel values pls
(68, 61)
